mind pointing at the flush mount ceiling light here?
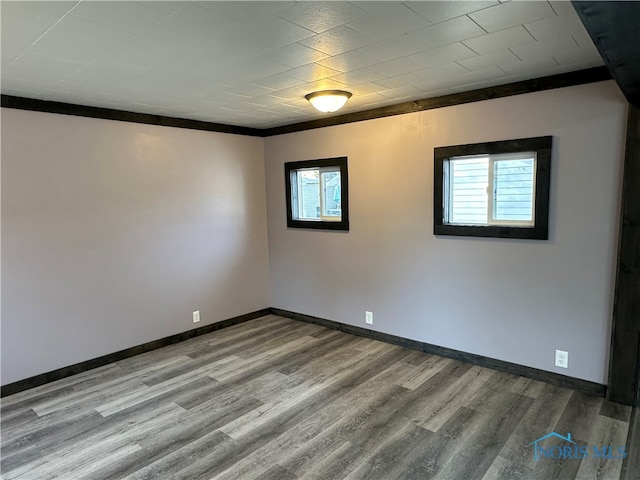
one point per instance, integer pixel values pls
(329, 100)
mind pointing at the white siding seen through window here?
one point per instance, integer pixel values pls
(490, 189)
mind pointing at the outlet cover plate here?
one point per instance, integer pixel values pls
(368, 317)
(562, 359)
(196, 316)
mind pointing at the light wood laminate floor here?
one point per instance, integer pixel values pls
(275, 398)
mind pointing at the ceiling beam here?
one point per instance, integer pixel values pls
(613, 27)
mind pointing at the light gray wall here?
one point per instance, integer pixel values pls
(113, 233)
(514, 300)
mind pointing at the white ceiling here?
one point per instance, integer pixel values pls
(251, 63)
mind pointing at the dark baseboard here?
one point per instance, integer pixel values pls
(63, 372)
(500, 365)
(585, 386)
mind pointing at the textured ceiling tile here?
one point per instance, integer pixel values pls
(268, 33)
(563, 7)
(166, 6)
(10, 51)
(249, 70)
(445, 33)
(248, 91)
(518, 68)
(278, 82)
(244, 11)
(367, 89)
(386, 20)
(194, 18)
(493, 59)
(398, 66)
(492, 42)
(321, 16)
(439, 11)
(443, 71)
(296, 55)
(402, 93)
(443, 55)
(469, 78)
(95, 73)
(216, 60)
(336, 41)
(77, 40)
(24, 22)
(511, 14)
(130, 17)
(355, 77)
(546, 48)
(565, 57)
(555, 27)
(312, 72)
(352, 60)
(21, 87)
(391, 49)
(400, 80)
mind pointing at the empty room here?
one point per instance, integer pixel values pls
(320, 240)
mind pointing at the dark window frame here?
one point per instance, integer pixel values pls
(539, 231)
(289, 170)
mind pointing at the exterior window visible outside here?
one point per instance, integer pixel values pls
(497, 189)
(317, 194)
(490, 189)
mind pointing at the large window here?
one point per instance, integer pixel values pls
(317, 194)
(497, 189)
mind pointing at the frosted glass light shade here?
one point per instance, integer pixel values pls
(329, 100)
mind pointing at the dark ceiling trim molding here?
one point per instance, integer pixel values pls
(579, 77)
(32, 104)
(613, 28)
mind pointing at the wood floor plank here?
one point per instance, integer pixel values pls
(439, 449)
(454, 397)
(388, 458)
(274, 398)
(90, 427)
(578, 419)
(176, 434)
(503, 469)
(428, 369)
(606, 432)
(299, 442)
(539, 420)
(483, 445)
(175, 464)
(528, 387)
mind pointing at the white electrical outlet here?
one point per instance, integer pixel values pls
(196, 316)
(368, 317)
(562, 359)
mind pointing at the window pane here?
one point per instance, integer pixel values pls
(318, 194)
(308, 194)
(513, 190)
(331, 194)
(468, 179)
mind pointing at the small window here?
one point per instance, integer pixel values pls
(317, 194)
(497, 189)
